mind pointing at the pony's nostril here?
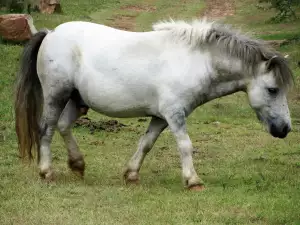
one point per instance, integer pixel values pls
(280, 132)
(286, 129)
(273, 127)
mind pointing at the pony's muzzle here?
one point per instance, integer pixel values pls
(280, 131)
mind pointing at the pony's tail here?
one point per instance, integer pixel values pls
(29, 97)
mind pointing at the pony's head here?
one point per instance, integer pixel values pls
(267, 92)
(266, 70)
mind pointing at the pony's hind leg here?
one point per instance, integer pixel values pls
(52, 109)
(146, 143)
(70, 114)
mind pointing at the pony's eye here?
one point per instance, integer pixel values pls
(273, 91)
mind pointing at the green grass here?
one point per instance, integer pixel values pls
(251, 178)
(257, 20)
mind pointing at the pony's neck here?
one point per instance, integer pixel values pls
(230, 78)
(226, 88)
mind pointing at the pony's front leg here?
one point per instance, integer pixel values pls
(70, 114)
(156, 126)
(177, 124)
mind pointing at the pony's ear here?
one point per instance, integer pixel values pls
(270, 63)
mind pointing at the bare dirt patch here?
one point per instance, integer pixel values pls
(217, 9)
(146, 8)
(123, 22)
(108, 126)
(127, 22)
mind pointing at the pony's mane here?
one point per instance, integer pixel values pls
(251, 51)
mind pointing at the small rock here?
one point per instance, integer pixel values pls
(49, 6)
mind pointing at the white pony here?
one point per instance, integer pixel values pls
(164, 74)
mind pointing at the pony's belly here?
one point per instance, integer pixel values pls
(119, 106)
(119, 99)
(121, 112)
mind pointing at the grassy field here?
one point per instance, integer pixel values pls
(251, 178)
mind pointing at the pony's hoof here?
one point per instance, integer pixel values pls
(198, 187)
(131, 177)
(47, 176)
(77, 166)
